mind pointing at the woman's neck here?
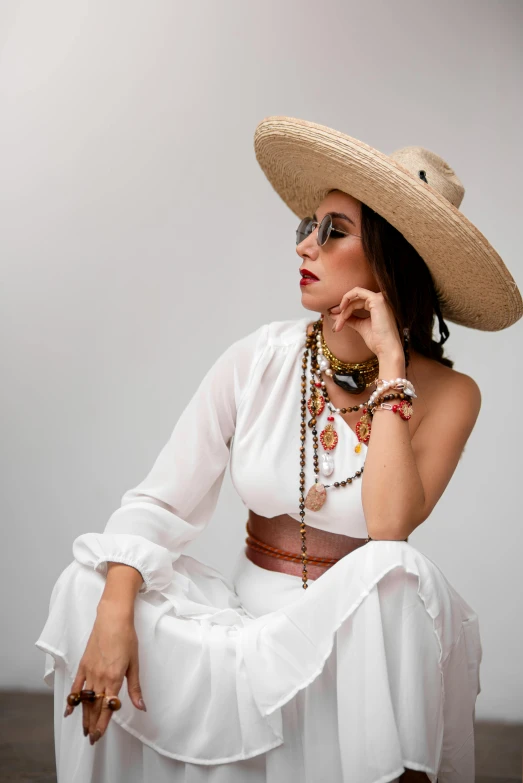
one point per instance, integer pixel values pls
(346, 345)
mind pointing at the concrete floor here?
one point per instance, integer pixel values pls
(27, 752)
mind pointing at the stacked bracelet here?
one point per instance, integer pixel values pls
(402, 385)
(400, 389)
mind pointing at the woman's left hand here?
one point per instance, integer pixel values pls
(378, 330)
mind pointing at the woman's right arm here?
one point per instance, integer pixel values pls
(121, 586)
(154, 523)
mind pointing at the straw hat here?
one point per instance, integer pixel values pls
(415, 190)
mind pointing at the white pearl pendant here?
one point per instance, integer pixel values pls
(327, 463)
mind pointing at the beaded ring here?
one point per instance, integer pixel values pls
(73, 699)
(89, 696)
(112, 702)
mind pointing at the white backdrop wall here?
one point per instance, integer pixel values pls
(140, 238)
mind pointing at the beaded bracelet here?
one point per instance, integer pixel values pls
(401, 384)
(404, 408)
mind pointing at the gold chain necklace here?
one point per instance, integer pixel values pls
(369, 368)
(353, 377)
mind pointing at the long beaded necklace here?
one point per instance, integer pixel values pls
(359, 377)
(316, 495)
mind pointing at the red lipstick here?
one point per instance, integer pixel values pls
(307, 277)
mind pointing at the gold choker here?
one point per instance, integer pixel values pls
(369, 369)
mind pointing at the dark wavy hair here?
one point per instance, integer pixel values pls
(406, 283)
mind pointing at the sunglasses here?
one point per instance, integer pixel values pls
(325, 230)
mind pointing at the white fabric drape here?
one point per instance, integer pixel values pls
(373, 669)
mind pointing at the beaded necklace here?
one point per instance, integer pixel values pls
(317, 493)
(319, 397)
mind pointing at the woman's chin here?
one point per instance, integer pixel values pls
(310, 300)
(307, 304)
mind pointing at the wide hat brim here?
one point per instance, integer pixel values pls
(303, 161)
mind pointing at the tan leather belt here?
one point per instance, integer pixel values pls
(260, 546)
(332, 546)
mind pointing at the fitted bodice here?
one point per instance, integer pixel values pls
(265, 451)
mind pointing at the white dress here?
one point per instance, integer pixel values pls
(372, 669)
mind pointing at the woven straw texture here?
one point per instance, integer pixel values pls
(303, 161)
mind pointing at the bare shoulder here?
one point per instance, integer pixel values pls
(444, 395)
(446, 408)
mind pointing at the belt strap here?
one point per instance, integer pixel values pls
(260, 546)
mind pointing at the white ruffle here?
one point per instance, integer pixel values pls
(215, 678)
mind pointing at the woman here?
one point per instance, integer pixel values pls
(338, 652)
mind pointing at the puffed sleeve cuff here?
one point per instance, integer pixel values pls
(153, 561)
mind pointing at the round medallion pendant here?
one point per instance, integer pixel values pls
(329, 437)
(363, 428)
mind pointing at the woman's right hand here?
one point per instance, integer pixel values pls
(110, 655)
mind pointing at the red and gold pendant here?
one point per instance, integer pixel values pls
(316, 497)
(316, 404)
(329, 437)
(363, 427)
(404, 409)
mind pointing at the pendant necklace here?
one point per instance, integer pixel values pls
(317, 493)
(353, 377)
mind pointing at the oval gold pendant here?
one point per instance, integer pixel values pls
(329, 437)
(316, 497)
(363, 428)
(316, 404)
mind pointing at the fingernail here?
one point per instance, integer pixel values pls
(142, 705)
(86, 731)
(91, 739)
(68, 711)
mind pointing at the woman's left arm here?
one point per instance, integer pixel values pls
(405, 477)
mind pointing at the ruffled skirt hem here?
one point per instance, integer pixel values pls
(375, 667)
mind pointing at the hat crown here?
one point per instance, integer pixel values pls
(431, 168)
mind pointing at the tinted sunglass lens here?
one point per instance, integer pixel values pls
(304, 229)
(324, 229)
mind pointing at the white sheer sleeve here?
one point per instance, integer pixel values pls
(175, 501)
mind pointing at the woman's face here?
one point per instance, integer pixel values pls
(340, 264)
